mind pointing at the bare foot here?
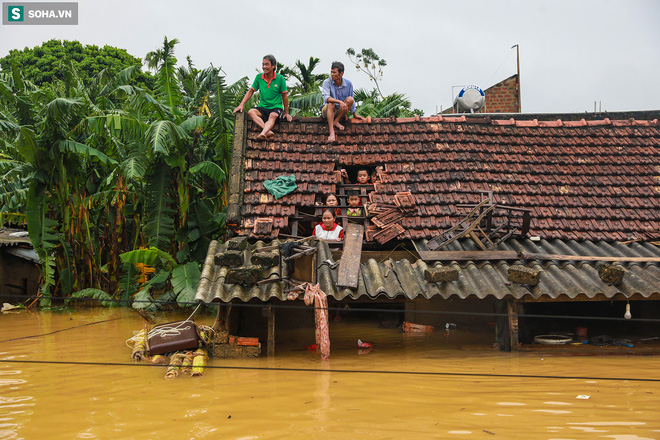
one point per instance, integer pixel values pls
(270, 134)
(339, 126)
(261, 136)
(331, 138)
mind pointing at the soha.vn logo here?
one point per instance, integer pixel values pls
(15, 13)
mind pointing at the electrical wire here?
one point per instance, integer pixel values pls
(357, 371)
(355, 310)
(395, 248)
(61, 330)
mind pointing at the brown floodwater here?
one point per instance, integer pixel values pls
(441, 386)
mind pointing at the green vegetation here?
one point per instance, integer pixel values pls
(305, 97)
(42, 65)
(105, 168)
(373, 103)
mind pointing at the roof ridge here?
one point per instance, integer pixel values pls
(489, 120)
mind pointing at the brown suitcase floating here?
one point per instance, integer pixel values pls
(173, 336)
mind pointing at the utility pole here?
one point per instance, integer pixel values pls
(518, 61)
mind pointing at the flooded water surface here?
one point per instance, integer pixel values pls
(80, 383)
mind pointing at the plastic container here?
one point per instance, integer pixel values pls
(581, 333)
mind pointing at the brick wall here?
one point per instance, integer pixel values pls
(503, 96)
(500, 98)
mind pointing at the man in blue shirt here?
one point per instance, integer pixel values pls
(338, 99)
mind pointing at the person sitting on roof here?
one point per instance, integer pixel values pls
(273, 103)
(354, 209)
(328, 229)
(338, 99)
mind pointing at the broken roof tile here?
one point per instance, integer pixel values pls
(262, 226)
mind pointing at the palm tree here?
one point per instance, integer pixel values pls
(395, 105)
(308, 81)
(305, 96)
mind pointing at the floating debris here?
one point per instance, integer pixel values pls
(6, 307)
(410, 327)
(140, 348)
(364, 344)
(175, 366)
(199, 362)
(187, 363)
(159, 359)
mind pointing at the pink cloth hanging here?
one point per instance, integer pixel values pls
(314, 295)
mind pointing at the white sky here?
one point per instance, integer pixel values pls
(572, 52)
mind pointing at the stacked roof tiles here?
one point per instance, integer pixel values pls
(582, 180)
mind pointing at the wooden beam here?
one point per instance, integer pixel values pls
(270, 349)
(557, 257)
(315, 262)
(512, 310)
(349, 265)
(513, 255)
(468, 255)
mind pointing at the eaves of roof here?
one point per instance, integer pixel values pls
(14, 237)
(405, 280)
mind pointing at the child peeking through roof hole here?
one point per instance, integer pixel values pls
(354, 209)
(362, 177)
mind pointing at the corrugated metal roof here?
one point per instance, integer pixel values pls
(212, 283)
(404, 279)
(14, 237)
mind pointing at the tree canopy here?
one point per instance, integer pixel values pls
(42, 64)
(122, 187)
(374, 103)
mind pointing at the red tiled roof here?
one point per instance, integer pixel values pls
(583, 180)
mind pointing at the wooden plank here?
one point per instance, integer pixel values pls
(315, 263)
(349, 265)
(512, 311)
(513, 255)
(468, 255)
(270, 348)
(557, 257)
